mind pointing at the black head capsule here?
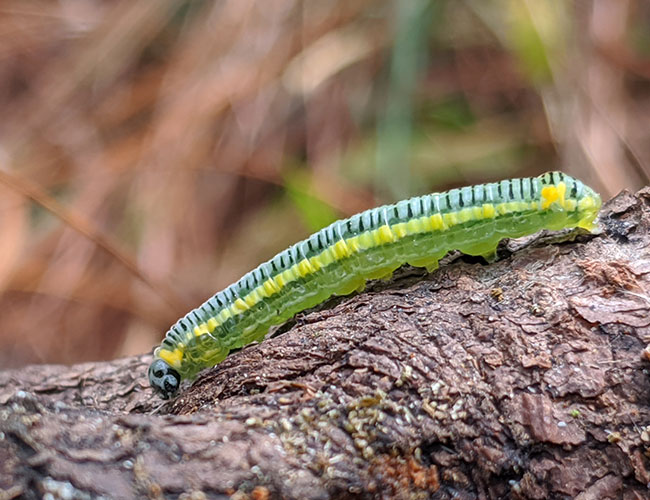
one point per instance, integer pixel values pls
(164, 380)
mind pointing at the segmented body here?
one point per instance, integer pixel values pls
(341, 257)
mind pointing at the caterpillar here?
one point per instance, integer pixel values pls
(340, 258)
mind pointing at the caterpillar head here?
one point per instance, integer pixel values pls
(164, 379)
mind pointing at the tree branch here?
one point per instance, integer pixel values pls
(520, 379)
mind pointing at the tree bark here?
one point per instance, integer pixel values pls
(525, 379)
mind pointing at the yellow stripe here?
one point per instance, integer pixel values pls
(400, 230)
(414, 226)
(427, 223)
(385, 235)
(450, 219)
(366, 240)
(239, 306)
(261, 291)
(326, 257)
(353, 244)
(173, 358)
(316, 263)
(437, 222)
(279, 281)
(251, 299)
(488, 211)
(465, 215)
(270, 287)
(290, 274)
(224, 315)
(305, 268)
(340, 249)
(212, 325)
(201, 329)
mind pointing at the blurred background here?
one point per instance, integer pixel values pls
(153, 152)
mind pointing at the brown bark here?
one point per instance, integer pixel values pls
(525, 378)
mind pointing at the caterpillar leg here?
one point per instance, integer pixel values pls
(430, 263)
(383, 273)
(356, 284)
(490, 256)
(485, 249)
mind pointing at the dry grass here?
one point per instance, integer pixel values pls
(152, 152)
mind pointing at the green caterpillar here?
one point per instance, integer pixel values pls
(343, 256)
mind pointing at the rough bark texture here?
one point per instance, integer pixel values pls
(526, 379)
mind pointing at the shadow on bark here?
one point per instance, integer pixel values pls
(525, 379)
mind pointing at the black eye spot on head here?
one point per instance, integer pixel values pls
(164, 379)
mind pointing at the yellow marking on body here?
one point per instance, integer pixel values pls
(252, 298)
(437, 222)
(224, 315)
(376, 238)
(385, 235)
(464, 215)
(450, 219)
(270, 287)
(212, 325)
(502, 208)
(201, 329)
(414, 226)
(316, 263)
(561, 188)
(426, 223)
(238, 306)
(488, 211)
(570, 205)
(353, 244)
(291, 274)
(340, 249)
(477, 213)
(262, 292)
(305, 268)
(326, 257)
(366, 240)
(551, 194)
(400, 230)
(172, 358)
(279, 281)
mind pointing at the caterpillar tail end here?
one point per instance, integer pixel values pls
(589, 223)
(164, 379)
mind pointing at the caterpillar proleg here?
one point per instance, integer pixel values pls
(341, 257)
